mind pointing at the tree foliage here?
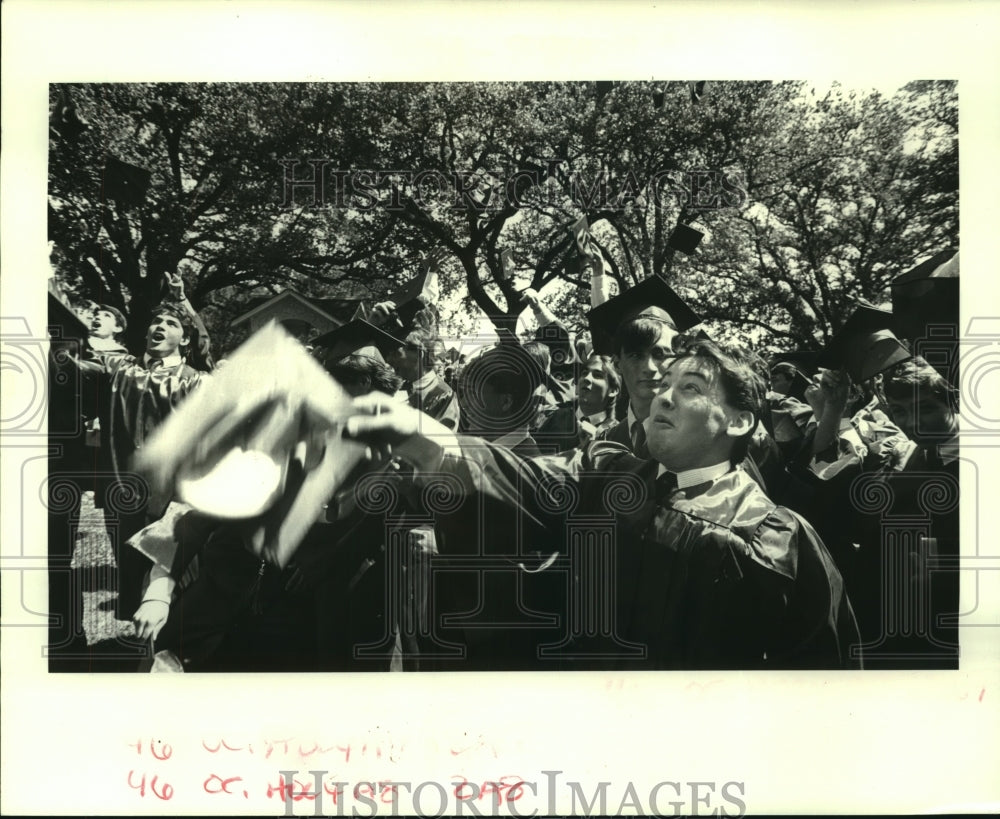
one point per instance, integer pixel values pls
(825, 195)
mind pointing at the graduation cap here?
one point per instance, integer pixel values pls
(685, 239)
(261, 442)
(864, 346)
(926, 295)
(123, 182)
(652, 298)
(507, 337)
(356, 337)
(802, 366)
(414, 296)
(805, 361)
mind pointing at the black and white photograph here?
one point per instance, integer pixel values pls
(643, 398)
(572, 293)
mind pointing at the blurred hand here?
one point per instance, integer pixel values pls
(150, 618)
(378, 420)
(835, 387)
(828, 392)
(530, 296)
(380, 312)
(175, 286)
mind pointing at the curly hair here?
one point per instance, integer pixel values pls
(171, 308)
(363, 374)
(742, 386)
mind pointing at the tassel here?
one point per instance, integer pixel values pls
(255, 604)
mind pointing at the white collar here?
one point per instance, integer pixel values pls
(631, 417)
(104, 345)
(596, 419)
(168, 362)
(703, 474)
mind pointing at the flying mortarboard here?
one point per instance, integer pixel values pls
(652, 299)
(507, 337)
(685, 239)
(926, 295)
(356, 337)
(416, 295)
(123, 182)
(864, 346)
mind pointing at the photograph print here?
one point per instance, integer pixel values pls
(503, 376)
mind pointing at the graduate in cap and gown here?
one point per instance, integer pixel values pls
(411, 314)
(638, 329)
(699, 569)
(890, 482)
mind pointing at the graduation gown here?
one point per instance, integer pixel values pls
(561, 429)
(437, 400)
(328, 610)
(896, 505)
(130, 401)
(713, 576)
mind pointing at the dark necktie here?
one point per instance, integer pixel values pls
(666, 485)
(639, 447)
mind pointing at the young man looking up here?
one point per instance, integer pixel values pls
(704, 570)
(131, 398)
(106, 325)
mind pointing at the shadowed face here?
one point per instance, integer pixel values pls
(593, 390)
(781, 382)
(642, 369)
(927, 420)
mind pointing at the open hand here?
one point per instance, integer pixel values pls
(150, 617)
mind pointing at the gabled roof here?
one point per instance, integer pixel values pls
(334, 310)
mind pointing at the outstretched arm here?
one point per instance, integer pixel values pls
(175, 285)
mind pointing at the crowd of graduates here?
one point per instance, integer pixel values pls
(637, 496)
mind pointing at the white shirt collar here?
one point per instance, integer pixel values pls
(596, 419)
(703, 474)
(631, 417)
(104, 344)
(168, 362)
